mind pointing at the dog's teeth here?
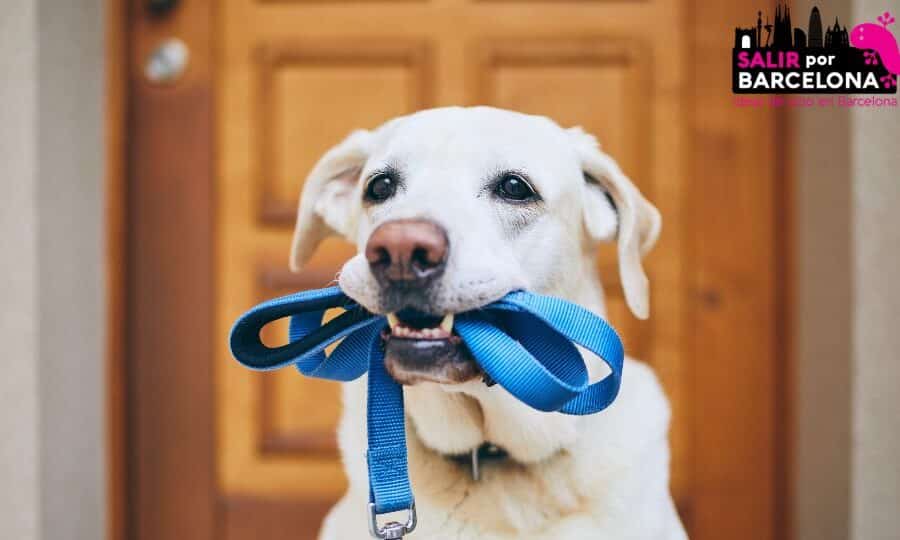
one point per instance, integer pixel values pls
(447, 323)
(401, 330)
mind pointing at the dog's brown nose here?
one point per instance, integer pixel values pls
(407, 251)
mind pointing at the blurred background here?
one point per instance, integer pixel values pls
(153, 152)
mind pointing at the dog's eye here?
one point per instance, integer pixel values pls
(381, 187)
(514, 187)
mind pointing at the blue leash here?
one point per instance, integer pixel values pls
(524, 342)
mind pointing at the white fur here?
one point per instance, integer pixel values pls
(599, 476)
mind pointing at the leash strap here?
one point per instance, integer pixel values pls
(525, 342)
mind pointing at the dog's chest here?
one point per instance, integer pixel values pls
(509, 500)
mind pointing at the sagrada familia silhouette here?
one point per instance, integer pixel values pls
(787, 37)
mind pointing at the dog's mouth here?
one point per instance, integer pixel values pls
(419, 347)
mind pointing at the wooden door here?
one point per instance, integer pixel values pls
(276, 82)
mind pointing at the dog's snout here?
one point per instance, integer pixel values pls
(407, 251)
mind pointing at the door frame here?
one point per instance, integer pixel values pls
(160, 201)
(158, 370)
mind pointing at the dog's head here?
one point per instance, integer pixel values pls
(453, 208)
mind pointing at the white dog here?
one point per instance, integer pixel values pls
(452, 209)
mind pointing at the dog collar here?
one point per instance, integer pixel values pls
(523, 342)
(486, 452)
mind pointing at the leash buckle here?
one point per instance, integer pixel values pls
(392, 530)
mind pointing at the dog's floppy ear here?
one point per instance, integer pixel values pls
(615, 209)
(326, 202)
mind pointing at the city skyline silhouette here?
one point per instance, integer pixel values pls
(780, 33)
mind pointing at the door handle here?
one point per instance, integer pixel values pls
(167, 62)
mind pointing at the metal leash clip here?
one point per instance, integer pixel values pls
(392, 530)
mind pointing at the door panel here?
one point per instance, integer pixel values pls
(290, 79)
(312, 94)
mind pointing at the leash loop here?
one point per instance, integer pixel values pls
(524, 342)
